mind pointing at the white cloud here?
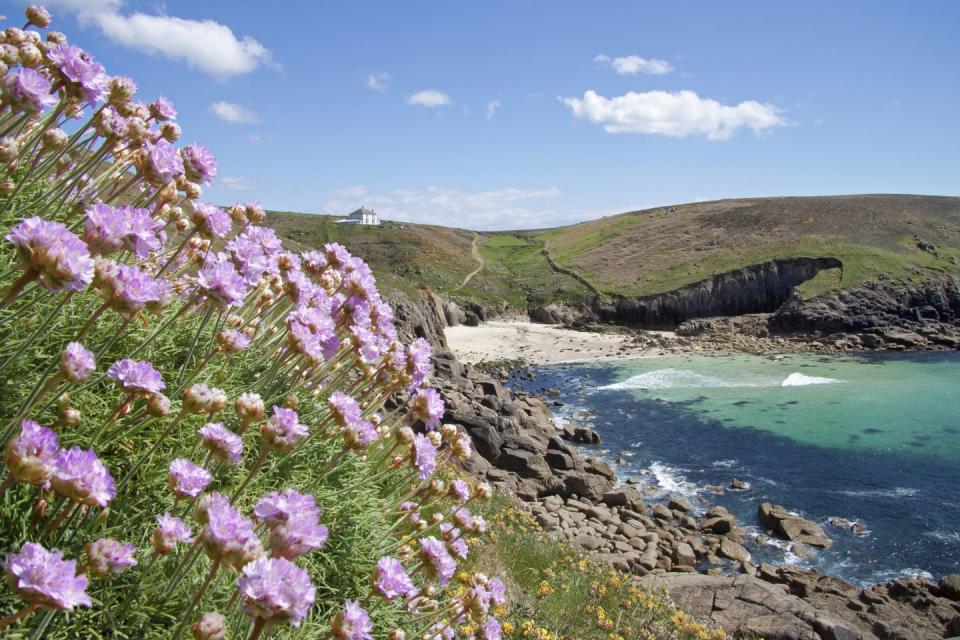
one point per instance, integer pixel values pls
(255, 138)
(632, 65)
(492, 107)
(507, 208)
(206, 45)
(233, 113)
(239, 183)
(430, 98)
(377, 81)
(678, 114)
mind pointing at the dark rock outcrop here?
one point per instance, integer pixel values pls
(760, 288)
(779, 522)
(883, 309)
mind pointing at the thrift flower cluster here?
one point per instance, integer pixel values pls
(193, 412)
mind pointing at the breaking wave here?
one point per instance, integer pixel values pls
(801, 380)
(662, 379)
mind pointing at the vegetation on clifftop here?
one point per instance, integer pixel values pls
(896, 237)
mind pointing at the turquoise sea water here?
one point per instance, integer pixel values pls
(873, 438)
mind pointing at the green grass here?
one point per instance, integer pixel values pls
(516, 266)
(658, 250)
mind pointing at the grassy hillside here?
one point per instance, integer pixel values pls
(402, 255)
(656, 250)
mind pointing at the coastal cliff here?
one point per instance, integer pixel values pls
(757, 288)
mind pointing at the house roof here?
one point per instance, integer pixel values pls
(363, 211)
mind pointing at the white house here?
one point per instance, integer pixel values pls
(361, 216)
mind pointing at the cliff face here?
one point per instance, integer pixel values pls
(873, 306)
(760, 288)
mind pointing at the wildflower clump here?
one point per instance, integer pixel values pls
(205, 433)
(552, 592)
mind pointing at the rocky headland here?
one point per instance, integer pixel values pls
(696, 552)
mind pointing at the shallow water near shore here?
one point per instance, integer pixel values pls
(872, 438)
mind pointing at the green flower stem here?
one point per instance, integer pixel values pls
(197, 597)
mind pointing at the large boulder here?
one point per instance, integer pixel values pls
(788, 526)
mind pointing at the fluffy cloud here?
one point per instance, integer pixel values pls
(430, 98)
(239, 183)
(678, 114)
(632, 65)
(233, 113)
(377, 81)
(205, 45)
(492, 107)
(507, 208)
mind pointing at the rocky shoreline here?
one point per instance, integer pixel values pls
(696, 554)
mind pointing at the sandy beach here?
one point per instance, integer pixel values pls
(538, 343)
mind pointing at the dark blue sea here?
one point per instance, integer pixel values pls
(875, 439)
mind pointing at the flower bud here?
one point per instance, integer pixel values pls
(405, 435)
(54, 140)
(158, 405)
(7, 186)
(435, 438)
(255, 212)
(183, 224)
(436, 518)
(170, 131)
(38, 16)
(40, 508)
(218, 400)
(238, 214)
(121, 90)
(197, 398)
(9, 149)
(56, 37)
(9, 54)
(210, 626)
(291, 401)
(14, 35)
(30, 55)
(192, 191)
(449, 432)
(70, 416)
(249, 408)
(397, 634)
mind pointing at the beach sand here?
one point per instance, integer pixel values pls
(538, 343)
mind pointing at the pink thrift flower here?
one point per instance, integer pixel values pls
(31, 456)
(107, 558)
(170, 530)
(186, 479)
(276, 590)
(77, 362)
(224, 444)
(60, 260)
(352, 623)
(437, 561)
(45, 578)
(391, 580)
(428, 407)
(229, 536)
(136, 376)
(283, 429)
(424, 456)
(80, 476)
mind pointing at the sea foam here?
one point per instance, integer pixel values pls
(680, 379)
(801, 380)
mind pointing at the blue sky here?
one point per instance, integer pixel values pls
(518, 114)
